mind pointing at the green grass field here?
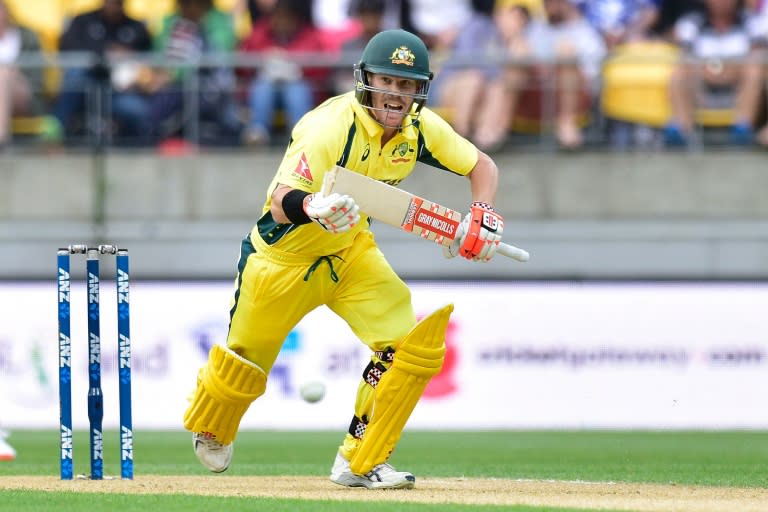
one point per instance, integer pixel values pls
(696, 458)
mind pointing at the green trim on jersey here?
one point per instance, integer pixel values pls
(348, 146)
(272, 231)
(425, 156)
(246, 249)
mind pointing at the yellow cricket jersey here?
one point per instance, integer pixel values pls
(341, 132)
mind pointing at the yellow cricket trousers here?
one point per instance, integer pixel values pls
(276, 289)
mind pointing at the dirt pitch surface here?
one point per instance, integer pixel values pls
(475, 491)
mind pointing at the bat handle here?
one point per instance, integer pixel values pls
(510, 251)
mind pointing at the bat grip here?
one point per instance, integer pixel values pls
(510, 251)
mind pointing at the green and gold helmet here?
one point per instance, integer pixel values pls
(396, 53)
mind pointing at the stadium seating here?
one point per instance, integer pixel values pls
(48, 18)
(44, 17)
(635, 86)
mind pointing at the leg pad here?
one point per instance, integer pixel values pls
(417, 359)
(226, 386)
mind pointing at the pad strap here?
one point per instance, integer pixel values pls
(358, 426)
(387, 355)
(373, 372)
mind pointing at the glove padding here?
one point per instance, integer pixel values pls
(335, 213)
(479, 234)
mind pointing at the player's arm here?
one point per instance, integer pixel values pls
(482, 227)
(335, 213)
(484, 179)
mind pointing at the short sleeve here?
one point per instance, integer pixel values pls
(316, 145)
(440, 146)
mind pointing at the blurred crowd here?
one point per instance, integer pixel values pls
(242, 72)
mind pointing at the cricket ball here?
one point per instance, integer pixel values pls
(312, 391)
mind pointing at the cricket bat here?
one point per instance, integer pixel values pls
(404, 210)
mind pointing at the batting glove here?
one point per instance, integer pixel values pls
(335, 213)
(482, 230)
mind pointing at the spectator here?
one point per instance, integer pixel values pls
(625, 26)
(196, 29)
(105, 32)
(482, 97)
(339, 20)
(18, 87)
(246, 12)
(437, 22)
(281, 83)
(670, 11)
(572, 51)
(256, 9)
(760, 8)
(621, 21)
(334, 20)
(370, 15)
(723, 48)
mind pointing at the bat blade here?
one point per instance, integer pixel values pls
(401, 209)
(395, 206)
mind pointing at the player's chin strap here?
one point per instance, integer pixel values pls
(417, 359)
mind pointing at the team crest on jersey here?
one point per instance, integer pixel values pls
(302, 170)
(402, 55)
(401, 149)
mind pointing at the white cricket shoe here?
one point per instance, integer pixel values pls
(6, 451)
(211, 453)
(383, 476)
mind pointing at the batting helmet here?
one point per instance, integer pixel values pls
(396, 53)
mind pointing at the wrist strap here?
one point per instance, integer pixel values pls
(293, 207)
(484, 206)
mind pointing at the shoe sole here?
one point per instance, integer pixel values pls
(408, 484)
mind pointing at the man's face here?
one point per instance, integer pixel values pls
(371, 22)
(390, 108)
(193, 10)
(510, 21)
(723, 7)
(113, 9)
(284, 22)
(557, 10)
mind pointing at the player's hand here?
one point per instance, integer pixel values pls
(452, 250)
(482, 230)
(335, 213)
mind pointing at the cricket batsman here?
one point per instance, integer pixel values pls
(309, 250)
